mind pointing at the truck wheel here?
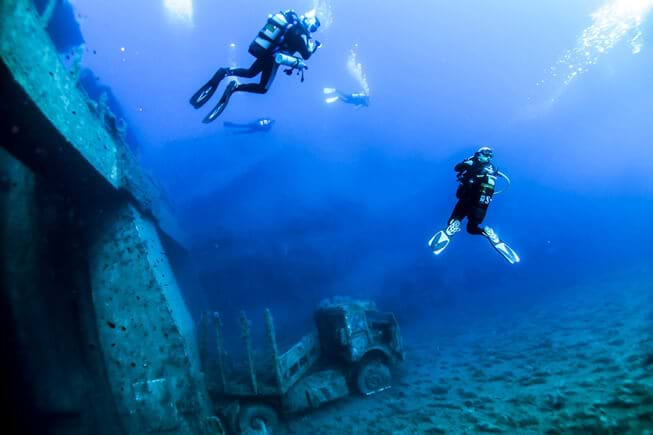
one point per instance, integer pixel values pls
(372, 377)
(257, 419)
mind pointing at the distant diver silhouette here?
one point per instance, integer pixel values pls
(359, 99)
(284, 34)
(261, 125)
(477, 177)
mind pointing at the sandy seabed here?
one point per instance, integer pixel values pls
(583, 365)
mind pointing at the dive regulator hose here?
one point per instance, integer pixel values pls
(508, 183)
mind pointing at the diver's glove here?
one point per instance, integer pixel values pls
(314, 44)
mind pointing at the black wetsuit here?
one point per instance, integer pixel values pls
(359, 99)
(477, 181)
(260, 125)
(296, 40)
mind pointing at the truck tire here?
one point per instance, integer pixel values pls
(257, 418)
(373, 376)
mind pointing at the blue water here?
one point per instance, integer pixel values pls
(338, 200)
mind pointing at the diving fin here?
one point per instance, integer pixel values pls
(330, 91)
(439, 242)
(507, 252)
(441, 239)
(203, 95)
(222, 104)
(501, 247)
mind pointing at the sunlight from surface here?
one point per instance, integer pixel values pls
(612, 23)
(180, 10)
(356, 70)
(615, 22)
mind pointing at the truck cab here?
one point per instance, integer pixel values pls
(357, 335)
(351, 330)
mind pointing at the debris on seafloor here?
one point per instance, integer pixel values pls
(350, 352)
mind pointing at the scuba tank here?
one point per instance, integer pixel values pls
(270, 36)
(288, 60)
(293, 63)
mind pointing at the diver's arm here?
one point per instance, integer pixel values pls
(306, 49)
(299, 41)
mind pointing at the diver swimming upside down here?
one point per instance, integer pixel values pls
(284, 35)
(477, 177)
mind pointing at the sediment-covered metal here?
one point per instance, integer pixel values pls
(82, 236)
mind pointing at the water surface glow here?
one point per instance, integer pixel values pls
(180, 10)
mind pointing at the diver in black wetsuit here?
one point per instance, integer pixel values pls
(477, 177)
(358, 99)
(261, 125)
(284, 34)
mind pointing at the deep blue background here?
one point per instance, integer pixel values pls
(338, 200)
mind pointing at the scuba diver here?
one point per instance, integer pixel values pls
(359, 99)
(477, 177)
(284, 34)
(262, 125)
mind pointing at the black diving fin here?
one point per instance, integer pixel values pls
(205, 93)
(222, 104)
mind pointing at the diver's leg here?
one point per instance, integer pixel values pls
(268, 68)
(458, 214)
(474, 219)
(251, 72)
(346, 98)
(459, 211)
(268, 74)
(206, 92)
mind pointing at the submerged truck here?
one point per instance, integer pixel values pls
(351, 351)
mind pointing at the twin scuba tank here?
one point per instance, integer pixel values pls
(271, 35)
